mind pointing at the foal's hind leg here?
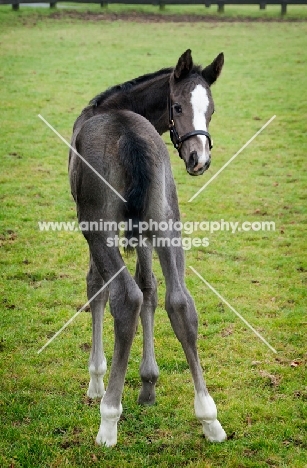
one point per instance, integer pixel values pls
(181, 310)
(125, 304)
(97, 363)
(147, 282)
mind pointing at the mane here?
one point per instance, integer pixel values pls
(128, 85)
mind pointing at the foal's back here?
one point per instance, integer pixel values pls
(131, 156)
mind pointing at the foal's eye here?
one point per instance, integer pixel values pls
(178, 108)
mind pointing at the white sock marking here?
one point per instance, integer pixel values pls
(206, 413)
(96, 386)
(107, 433)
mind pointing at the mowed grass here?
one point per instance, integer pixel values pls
(54, 67)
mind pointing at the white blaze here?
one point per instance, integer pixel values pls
(200, 103)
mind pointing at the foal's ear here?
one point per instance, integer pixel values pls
(184, 65)
(212, 71)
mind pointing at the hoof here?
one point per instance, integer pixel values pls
(214, 432)
(147, 395)
(107, 439)
(96, 388)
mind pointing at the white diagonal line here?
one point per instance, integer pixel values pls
(81, 157)
(237, 313)
(80, 310)
(232, 158)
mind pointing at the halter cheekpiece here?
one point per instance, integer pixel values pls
(178, 140)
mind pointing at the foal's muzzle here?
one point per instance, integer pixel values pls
(193, 162)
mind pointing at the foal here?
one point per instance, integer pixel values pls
(120, 144)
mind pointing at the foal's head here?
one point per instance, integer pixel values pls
(190, 109)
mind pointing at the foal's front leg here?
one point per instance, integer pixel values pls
(97, 362)
(147, 283)
(181, 311)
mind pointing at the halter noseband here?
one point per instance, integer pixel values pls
(178, 140)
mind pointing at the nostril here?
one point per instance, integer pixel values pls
(193, 160)
(207, 164)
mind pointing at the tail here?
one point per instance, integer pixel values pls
(135, 157)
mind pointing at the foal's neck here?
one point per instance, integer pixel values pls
(147, 98)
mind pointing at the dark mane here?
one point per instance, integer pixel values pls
(97, 100)
(124, 87)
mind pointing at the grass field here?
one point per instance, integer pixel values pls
(54, 66)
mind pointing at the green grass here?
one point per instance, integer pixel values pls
(54, 67)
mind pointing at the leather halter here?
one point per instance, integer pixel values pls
(178, 140)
